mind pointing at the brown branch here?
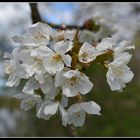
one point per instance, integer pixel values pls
(72, 130)
(88, 25)
(35, 13)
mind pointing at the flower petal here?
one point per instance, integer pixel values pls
(47, 85)
(69, 91)
(122, 58)
(52, 67)
(78, 120)
(27, 104)
(69, 34)
(67, 60)
(64, 101)
(12, 81)
(114, 82)
(30, 86)
(40, 78)
(91, 107)
(40, 29)
(106, 43)
(59, 78)
(123, 45)
(75, 115)
(128, 75)
(69, 74)
(84, 85)
(23, 40)
(50, 108)
(63, 114)
(63, 47)
(87, 53)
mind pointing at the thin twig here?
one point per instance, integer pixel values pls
(73, 131)
(88, 25)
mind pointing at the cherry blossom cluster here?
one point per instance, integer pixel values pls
(52, 64)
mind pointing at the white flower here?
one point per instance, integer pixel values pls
(77, 112)
(14, 69)
(109, 44)
(54, 61)
(66, 35)
(50, 108)
(88, 53)
(73, 82)
(29, 101)
(36, 64)
(47, 109)
(33, 85)
(32, 61)
(38, 34)
(69, 34)
(123, 45)
(64, 101)
(118, 72)
(105, 44)
(52, 104)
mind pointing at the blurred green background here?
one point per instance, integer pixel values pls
(120, 111)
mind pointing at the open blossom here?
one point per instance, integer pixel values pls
(29, 101)
(14, 69)
(66, 35)
(34, 64)
(32, 61)
(49, 108)
(55, 60)
(105, 44)
(77, 112)
(38, 34)
(123, 46)
(109, 44)
(88, 53)
(118, 72)
(73, 82)
(33, 85)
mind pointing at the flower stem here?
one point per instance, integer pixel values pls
(72, 130)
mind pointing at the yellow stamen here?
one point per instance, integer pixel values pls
(57, 57)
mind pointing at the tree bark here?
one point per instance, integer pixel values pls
(35, 16)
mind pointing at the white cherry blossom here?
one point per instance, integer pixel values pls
(31, 59)
(50, 108)
(77, 112)
(73, 82)
(29, 101)
(88, 53)
(14, 69)
(56, 60)
(33, 85)
(38, 34)
(123, 46)
(105, 44)
(118, 72)
(47, 109)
